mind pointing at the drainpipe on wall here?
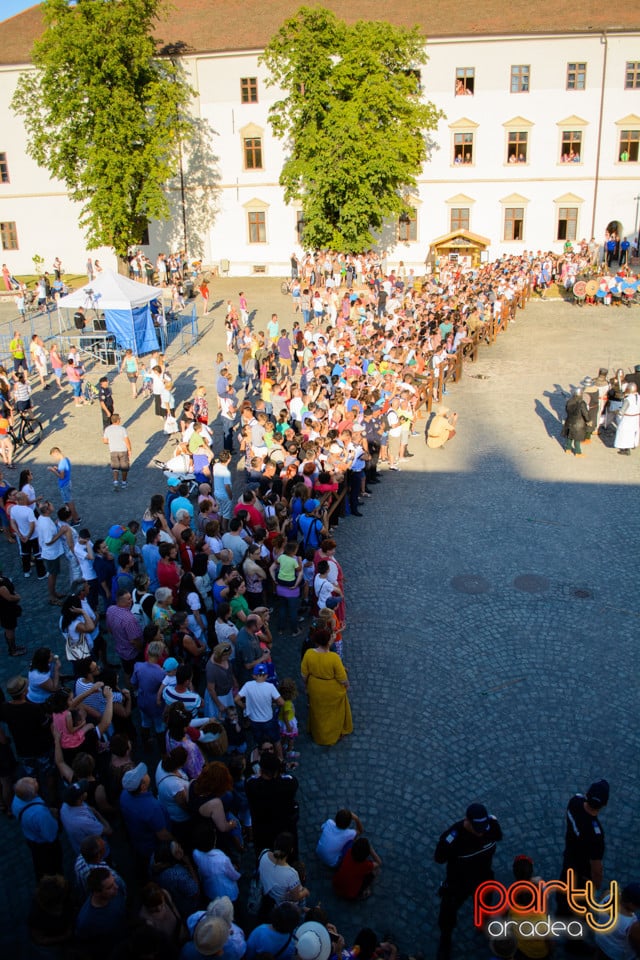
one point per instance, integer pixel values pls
(603, 40)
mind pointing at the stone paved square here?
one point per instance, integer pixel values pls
(492, 606)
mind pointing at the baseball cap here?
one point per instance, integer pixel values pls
(73, 791)
(477, 814)
(116, 531)
(173, 481)
(311, 505)
(260, 670)
(170, 664)
(598, 793)
(133, 778)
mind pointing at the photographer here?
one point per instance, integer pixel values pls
(313, 524)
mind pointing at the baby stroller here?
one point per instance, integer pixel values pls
(176, 471)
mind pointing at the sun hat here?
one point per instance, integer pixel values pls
(313, 941)
(210, 935)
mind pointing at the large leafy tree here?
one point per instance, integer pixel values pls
(104, 114)
(354, 121)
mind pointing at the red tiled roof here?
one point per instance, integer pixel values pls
(205, 26)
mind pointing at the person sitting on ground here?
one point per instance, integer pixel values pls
(336, 835)
(357, 871)
(442, 427)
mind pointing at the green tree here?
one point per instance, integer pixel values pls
(104, 114)
(354, 122)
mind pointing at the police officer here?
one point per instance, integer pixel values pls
(467, 848)
(584, 840)
(79, 319)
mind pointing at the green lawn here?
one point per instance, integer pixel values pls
(71, 279)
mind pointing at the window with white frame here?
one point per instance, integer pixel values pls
(513, 223)
(567, 228)
(576, 76)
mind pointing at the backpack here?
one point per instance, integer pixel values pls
(137, 609)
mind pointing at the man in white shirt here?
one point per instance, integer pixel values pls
(232, 540)
(115, 435)
(394, 432)
(335, 836)
(50, 537)
(23, 525)
(228, 414)
(258, 698)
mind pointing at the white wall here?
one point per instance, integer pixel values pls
(47, 221)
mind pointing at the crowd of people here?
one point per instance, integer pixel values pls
(601, 404)
(166, 724)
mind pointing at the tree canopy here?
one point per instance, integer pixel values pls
(104, 114)
(354, 122)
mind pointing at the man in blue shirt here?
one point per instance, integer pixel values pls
(144, 816)
(63, 473)
(150, 558)
(102, 920)
(181, 502)
(39, 827)
(79, 819)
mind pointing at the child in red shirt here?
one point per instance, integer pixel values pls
(358, 868)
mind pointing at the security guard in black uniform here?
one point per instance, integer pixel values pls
(467, 848)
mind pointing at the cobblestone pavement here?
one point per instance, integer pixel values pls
(492, 620)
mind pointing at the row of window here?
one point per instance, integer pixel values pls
(513, 225)
(464, 142)
(406, 230)
(517, 148)
(519, 79)
(571, 147)
(459, 219)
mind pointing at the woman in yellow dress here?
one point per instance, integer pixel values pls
(326, 682)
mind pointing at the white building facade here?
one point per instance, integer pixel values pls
(540, 144)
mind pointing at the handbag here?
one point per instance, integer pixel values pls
(76, 651)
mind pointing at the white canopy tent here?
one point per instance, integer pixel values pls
(125, 304)
(111, 291)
